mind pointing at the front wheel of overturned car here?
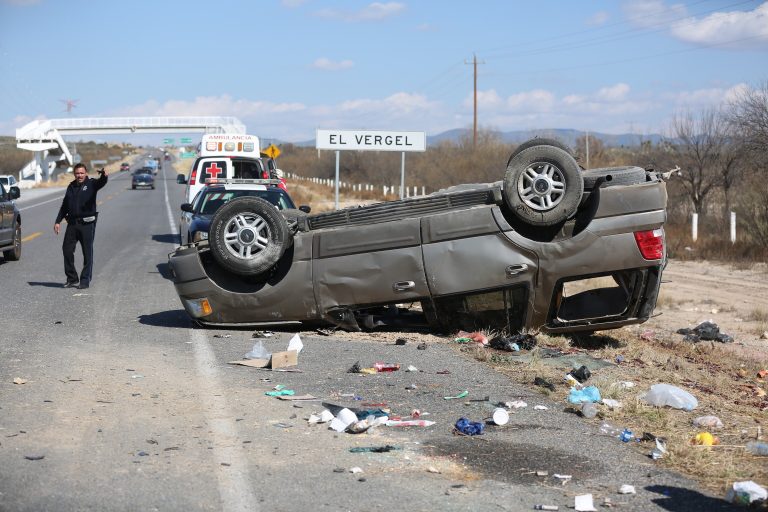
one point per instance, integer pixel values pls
(248, 236)
(543, 185)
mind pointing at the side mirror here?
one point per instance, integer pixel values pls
(181, 179)
(15, 193)
(305, 208)
(187, 207)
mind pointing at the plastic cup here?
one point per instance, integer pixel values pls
(500, 416)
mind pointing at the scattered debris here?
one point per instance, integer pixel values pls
(19, 380)
(409, 423)
(421, 346)
(626, 435)
(564, 479)
(515, 404)
(324, 332)
(374, 449)
(757, 448)
(584, 503)
(541, 407)
(708, 422)
(324, 417)
(222, 335)
(280, 390)
(411, 368)
(355, 470)
(705, 331)
(344, 418)
(401, 341)
(546, 507)
(542, 473)
(460, 395)
(704, 439)
(432, 469)
(34, 457)
(588, 410)
(538, 381)
(627, 489)
(259, 357)
(588, 394)
(263, 334)
(662, 395)
(469, 428)
(611, 403)
(355, 368)
(744, 493)
(660, 450)
(582, 374)
(386, 367)
(468, 337)
(500, 416)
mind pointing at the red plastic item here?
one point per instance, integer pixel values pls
(386, 367)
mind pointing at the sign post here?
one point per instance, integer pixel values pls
(371, 140)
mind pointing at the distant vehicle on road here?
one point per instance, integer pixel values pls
(143, 178)
(152, 164)
(8, 181)
(10, 223)
(125, 166)
(196, 216)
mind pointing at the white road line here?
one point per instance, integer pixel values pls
(39, 204)
(234, 481)
(171, 221)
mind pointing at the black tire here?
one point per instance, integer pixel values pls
(248, 236)
(133, 187)
(543, 185)
(541, 141)
(627, 175)
(15, 253)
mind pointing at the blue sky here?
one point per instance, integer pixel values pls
(288, 67)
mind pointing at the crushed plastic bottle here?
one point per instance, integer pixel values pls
(626, 435)
(588, 410)
(609, 430)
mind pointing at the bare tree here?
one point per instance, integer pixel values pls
(702, 146)
(748, 115)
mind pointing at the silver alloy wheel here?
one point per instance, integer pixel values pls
(246, 235)
(541, 186)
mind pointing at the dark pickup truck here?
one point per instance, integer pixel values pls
(10, 224)
(552, 247)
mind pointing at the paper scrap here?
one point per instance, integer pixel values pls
(584, 503)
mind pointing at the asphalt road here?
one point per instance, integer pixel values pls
(131, 408)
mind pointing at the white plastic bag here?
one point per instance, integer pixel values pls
(708, 422)
(258, 352)
(744, 493)
(672, 396)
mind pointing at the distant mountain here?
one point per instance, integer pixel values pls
(566, 135)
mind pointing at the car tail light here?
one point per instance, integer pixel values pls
(651, 243)
(193, 177)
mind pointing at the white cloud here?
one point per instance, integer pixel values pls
(329, 65)
(537, 100)
(737, 29)
(704, 98)
(613, 93)
(732, 29)
(485, 99)
(597, 19)
(426, 27)
(210, 106)
(372, 12)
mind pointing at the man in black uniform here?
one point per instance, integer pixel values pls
(79, 208)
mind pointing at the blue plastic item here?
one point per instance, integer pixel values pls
(588, 394)
(469, 428)
(626, 435)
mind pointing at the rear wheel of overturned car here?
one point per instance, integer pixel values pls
(248, 236)
(543, 185)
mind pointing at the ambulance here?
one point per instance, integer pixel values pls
(227, 156)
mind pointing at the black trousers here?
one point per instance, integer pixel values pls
(83, 233)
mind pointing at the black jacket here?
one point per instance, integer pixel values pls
(80, 200)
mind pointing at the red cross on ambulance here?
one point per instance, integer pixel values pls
(214, 170)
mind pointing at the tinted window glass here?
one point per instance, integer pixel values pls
(495, 310)
(216, 199)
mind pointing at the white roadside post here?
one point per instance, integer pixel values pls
(695, 226)
(370, 140)
(733, 227)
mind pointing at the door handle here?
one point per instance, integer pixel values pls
(402, 286)
(513, 270)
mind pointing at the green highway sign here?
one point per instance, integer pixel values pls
(169, 141)
(188, 154)
(186, 140)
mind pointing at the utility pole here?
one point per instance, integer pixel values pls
(474, 131)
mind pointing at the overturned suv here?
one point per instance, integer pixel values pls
(551, 248)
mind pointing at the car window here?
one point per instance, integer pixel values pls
(472, 311)
(247, 169)
(4, 180)
(216, 199)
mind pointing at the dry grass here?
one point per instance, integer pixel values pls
(758, 315)
(726, 386)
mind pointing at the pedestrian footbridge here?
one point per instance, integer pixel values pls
(45, 137)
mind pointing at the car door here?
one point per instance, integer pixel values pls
(356, 266)
(6, 216)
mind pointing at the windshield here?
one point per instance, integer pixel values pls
(4, 180)
(215, 200)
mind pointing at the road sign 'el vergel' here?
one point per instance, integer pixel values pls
(273, 151)
(370, 140)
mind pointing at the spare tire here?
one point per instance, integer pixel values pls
(543, 185)
(541, 141)
(248, 236)
(627, 175)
